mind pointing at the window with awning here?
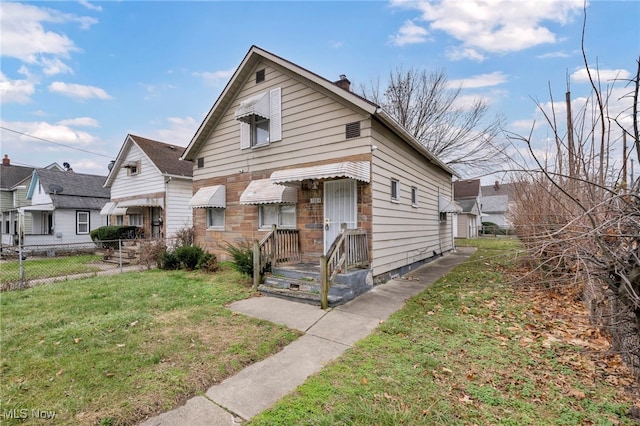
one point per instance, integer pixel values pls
(358, 170)
(447, 206)
(260, 118)
(263, 191)
(209, 196)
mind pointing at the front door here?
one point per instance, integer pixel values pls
(340, 206)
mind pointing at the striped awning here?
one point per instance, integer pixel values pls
(209, 196)
(358, 170)
(255, 105)
(448, 206)
(142, 202)
(263, 191)
(112, 208)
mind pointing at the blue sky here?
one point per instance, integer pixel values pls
(82, 75)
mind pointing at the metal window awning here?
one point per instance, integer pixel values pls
(209, 196)
(263, 191)
(448, 206)
(358, 170)
(255, 105)
(112, 208)
(142, 202)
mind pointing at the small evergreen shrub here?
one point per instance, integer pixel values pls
(169, 261)
(242, 255)
(189, 256)
(208, 262)
(108, 236)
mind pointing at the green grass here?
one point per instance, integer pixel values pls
(459, 353)
(116, 349)
(51, 267)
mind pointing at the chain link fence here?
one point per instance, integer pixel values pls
(31, 265)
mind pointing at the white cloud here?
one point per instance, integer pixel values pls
(604, 76)
(460, 52)
(55, 132)
(179, 131)
(155, 91)
(481, 80)
(80, 122)
(215, 78)
(25, 38)
(409, 33)
(497, 26)
(78, 91)
(15, 91)
(91, 6)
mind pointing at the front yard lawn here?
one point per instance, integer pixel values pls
(117, 349)
(472, 350)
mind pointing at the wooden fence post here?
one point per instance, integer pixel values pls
(256, 264)
(324, 283)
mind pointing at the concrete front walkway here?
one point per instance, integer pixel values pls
(327, 335)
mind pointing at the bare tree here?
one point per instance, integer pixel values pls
(425, 104)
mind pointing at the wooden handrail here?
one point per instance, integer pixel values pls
(349, 250)
(277, 247)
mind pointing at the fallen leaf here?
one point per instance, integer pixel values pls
(364, 381)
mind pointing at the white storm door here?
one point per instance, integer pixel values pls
(340, 206)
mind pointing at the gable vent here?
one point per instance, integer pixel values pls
(260, 76)
(352, 130)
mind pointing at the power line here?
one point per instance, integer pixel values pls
(55, 143)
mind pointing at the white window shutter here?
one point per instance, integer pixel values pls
(275, 116)
(245, 135)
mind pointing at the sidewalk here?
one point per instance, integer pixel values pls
(327, 335)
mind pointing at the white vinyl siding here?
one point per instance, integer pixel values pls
(147, 181)
(178, 214)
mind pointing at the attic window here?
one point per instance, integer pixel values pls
(200, 162)
(352, 130)
(260, 76)
(133, 168)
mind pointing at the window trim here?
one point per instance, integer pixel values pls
(79, 222)
(279, 205)
(414, 196)
(208, 217)
(133, 168)
(394, 190)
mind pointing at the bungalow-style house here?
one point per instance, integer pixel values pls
(496, 199)
(468, 195)
(14, 182)
(65, 206)
(312, 169)
(150, 188)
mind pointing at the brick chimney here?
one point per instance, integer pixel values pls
(343, 83)
(6, 161)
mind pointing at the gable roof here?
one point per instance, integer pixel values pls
(498, 189)
(11, 175)
(165, 157)
(242, 73)
(466, 189)
(79, 190)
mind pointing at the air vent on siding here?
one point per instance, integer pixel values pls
(260, 76)
(200, 162)
(352, 130)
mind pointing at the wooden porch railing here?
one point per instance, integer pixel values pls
(349, 250)
(279, 246)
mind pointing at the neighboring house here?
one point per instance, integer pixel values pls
(14, 182)
(284, 146)
(150, 188)
(65, 206)
(468, 195)
(496, 199)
